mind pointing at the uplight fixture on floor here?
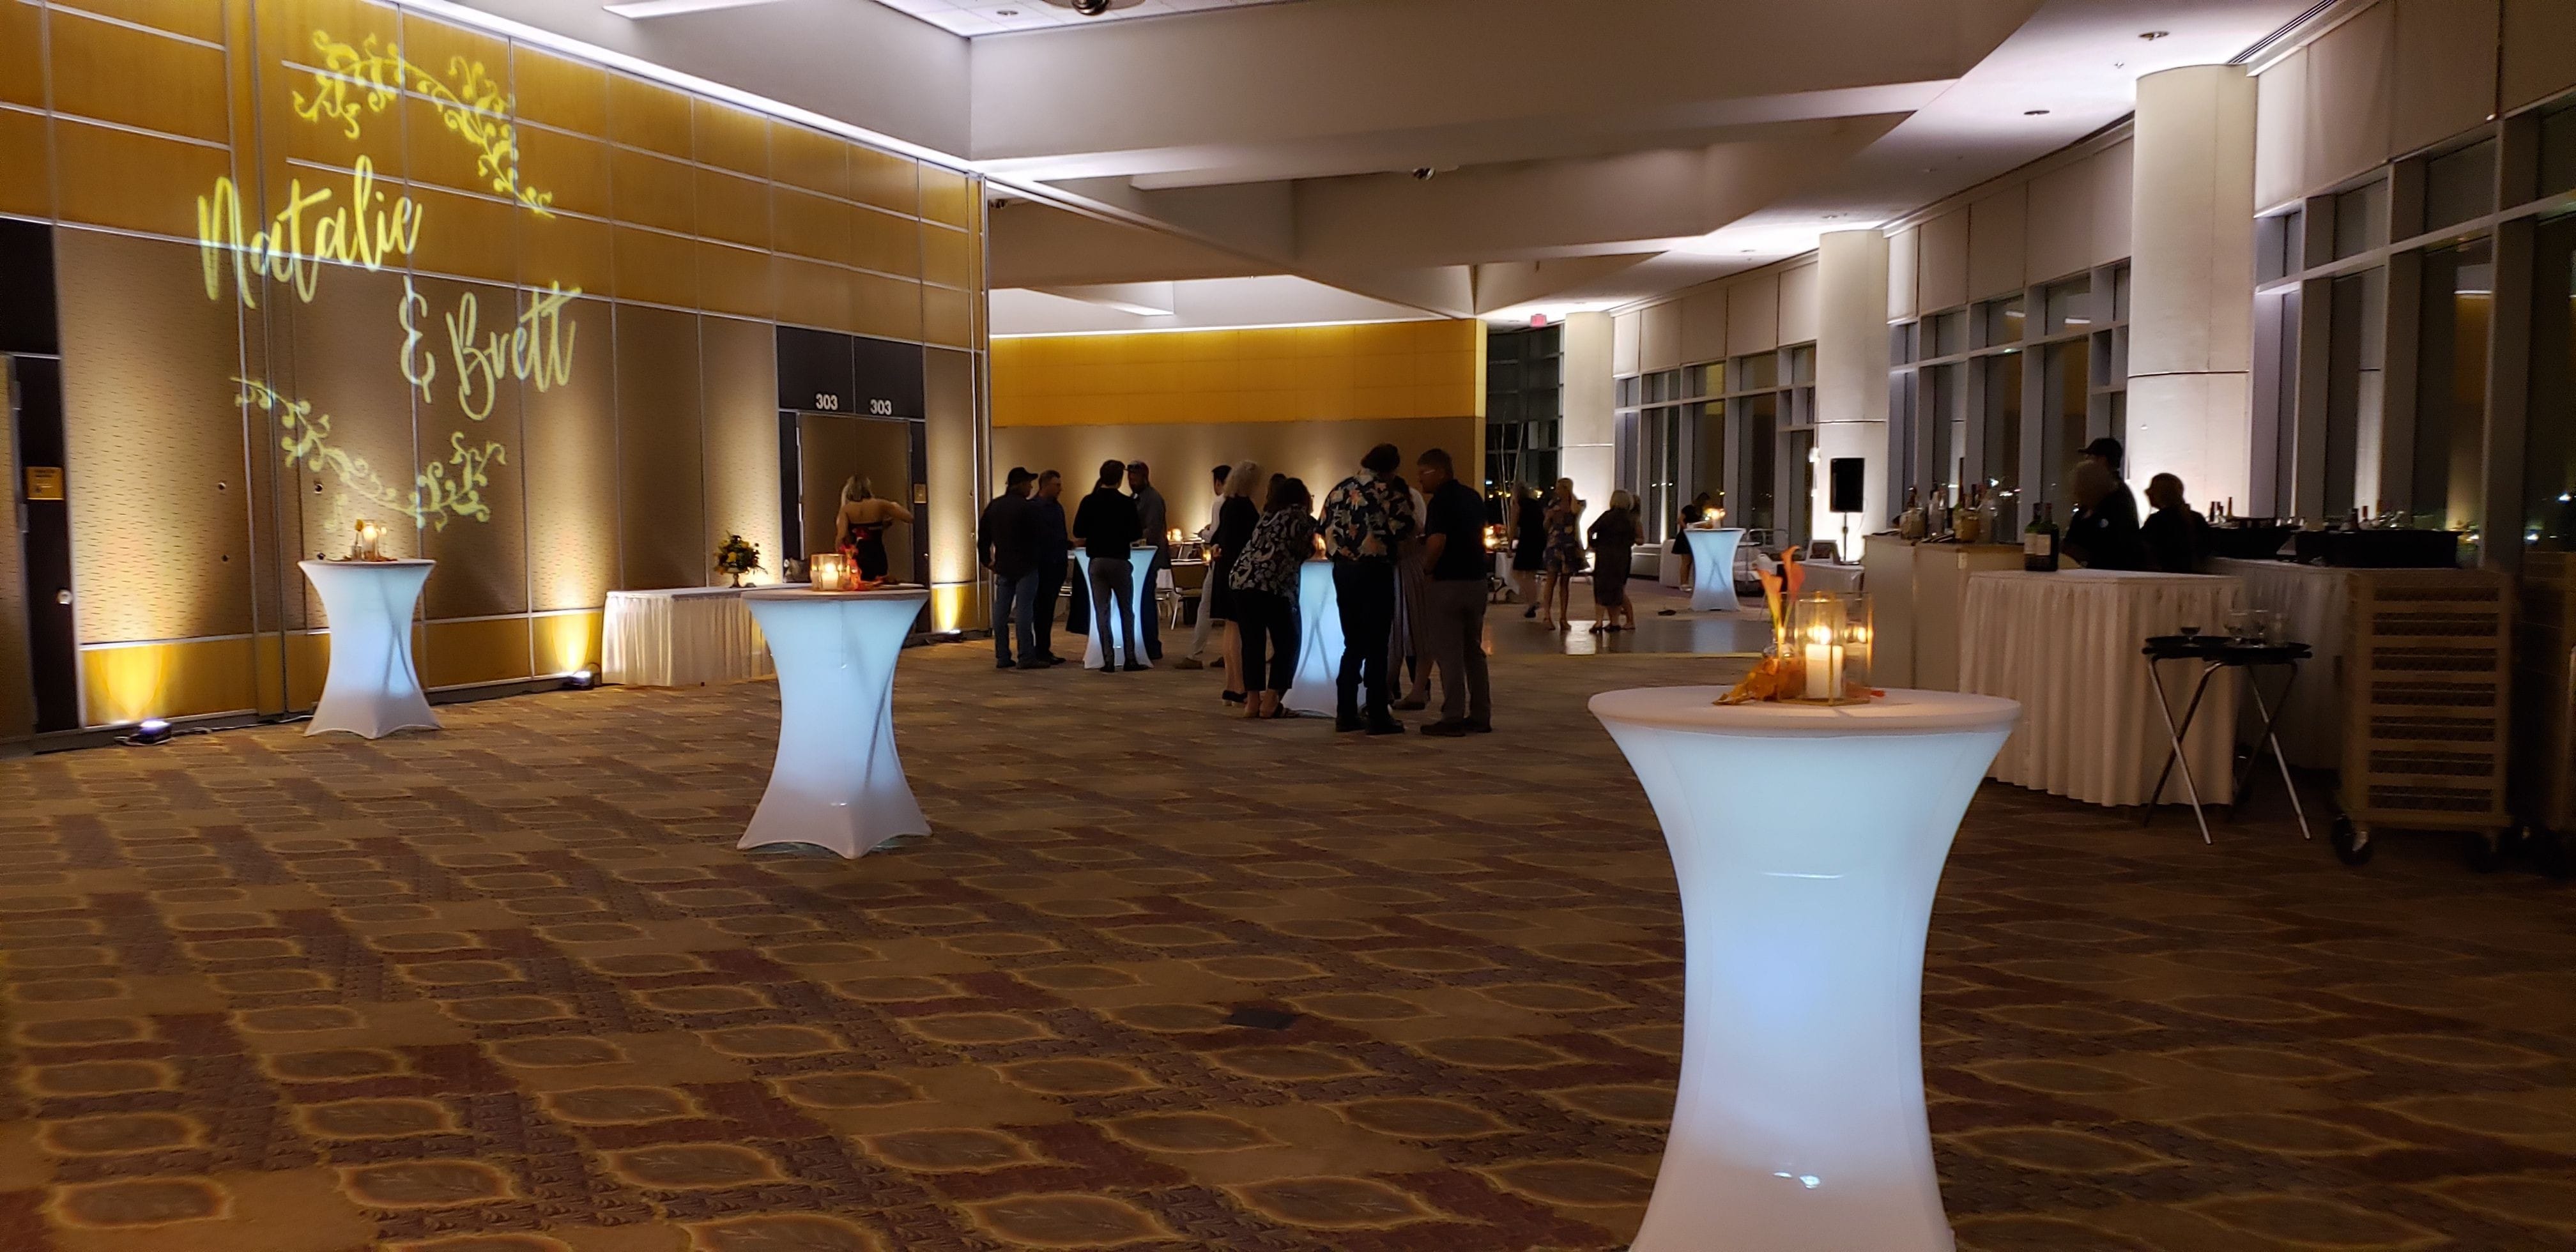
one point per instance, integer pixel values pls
(582, 679)
(151, 732)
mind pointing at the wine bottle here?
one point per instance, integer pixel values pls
(2039, 542)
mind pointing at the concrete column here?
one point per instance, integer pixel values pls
(2191, 281)
(1586, 435)
(1851, 375)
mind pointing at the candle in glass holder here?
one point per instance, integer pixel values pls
(829, 571)
(1824, 657)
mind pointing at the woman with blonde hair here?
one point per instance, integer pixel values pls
(858, 530)
(1236, 515)
(1614, 539)
(1564, 552)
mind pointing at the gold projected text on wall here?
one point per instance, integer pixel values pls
(442, 490)
(312, 229)
(537, 349)
(355, 80)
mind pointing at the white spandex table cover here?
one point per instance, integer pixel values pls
(2067, 646)
(837, 783)
(680, 637)
(2313, 601)
(1140, 563)
(372, 689)
(1832, 576)
(1319, 642)
(1713, 567)
(1799, 1125)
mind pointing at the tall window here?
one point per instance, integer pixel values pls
(2451, 386)
(2002, 453)
(2355, 400)
(2549, 468)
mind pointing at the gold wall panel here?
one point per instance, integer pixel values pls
(735, 139)
(648, 115)
(438, 47)
(735, 210)
(886, 243)
(341, 354)
(803, 157)
(573, 252)
(945, 194)
(120, 74)
(466, 236)
(471, 403)
(648, 190)
(197, 19)
(455, 654)
(183, 679)
(22, 58)
(159, 510)
(571, 168)
(950, 441)
(552, 91)
(810, 294)
(944, 257)
(133, 182)
(660, 477)
(658, 268)
(741, 388)
(884, 307)
(569, 462)
(565, 642)
(23, 147)
(734, 280)
(884, 179)
(432, 153)
(947, 317)
(810, 225)
(1346, 372)
(286, 26)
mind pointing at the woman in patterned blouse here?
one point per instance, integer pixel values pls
(1265, 580)
(1564, 554)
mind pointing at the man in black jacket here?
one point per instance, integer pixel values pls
(1053, 547)
(1006, 545)
(1107, 529)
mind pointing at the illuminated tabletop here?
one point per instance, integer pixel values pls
(372, 690)
(1319, 642)
(1713, 567)
(1140, 568)
(837, 783)
(1807, 842)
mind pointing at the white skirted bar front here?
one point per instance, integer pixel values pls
(1140, 566)
(837, 783)
(1713, 568)
(1807, 841)
(680, 637)
(1319, 641)
(372, 689)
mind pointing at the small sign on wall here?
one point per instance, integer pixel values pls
(44, 482)
(921, 493)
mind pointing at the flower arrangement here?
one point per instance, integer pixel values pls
(737, 556)
(1817, 644)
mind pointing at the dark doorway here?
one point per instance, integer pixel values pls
(833, 450)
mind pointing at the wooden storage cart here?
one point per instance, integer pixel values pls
(2427, 672)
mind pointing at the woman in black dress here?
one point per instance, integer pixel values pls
(1529, 544)
(1236, 515)
(1693, 514)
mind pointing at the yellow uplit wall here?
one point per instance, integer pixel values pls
(1350, 372)
(321, 260)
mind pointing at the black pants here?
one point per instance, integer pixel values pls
(1050, 585)
(1366, 590)
(1268, 625)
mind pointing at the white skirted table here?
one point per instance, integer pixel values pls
(1319, 642)
(2067, 646)
(837, 783)
(1140, 569)
(1713, 567)
(372, 690)
(680, 637)
(1807, 842)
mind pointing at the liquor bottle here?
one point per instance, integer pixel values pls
(1971, 522)
(2039, 542)
(1910, 524)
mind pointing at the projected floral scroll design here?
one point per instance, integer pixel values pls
(443, 490)
(354, 80)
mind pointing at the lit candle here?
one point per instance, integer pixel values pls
(1824, 664)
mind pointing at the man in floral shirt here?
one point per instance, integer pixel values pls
(1365, 517)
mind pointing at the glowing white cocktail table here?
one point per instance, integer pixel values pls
(1807, 842)
(1140, 568)
(372, 689)
(838, 783)
(1319, 642)
(1713, 567)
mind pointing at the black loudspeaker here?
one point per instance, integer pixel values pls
(1844, 475)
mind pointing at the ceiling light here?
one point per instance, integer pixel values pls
(2034, 112)
(2154, 35)
(668, 8)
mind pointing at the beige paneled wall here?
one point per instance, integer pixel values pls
(1627, 344)
(2539, 50)
(1660, 337)
(1797, 322)
(1941, 261)
(1904, 247)
(1998, 226)
(1753, 313)
(1703, 325)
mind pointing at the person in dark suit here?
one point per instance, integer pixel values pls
(1006, 546)
(1054, 547)
(2177, 539)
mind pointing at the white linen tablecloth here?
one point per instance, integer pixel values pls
(1832, 576)
(680, 637)
(2314, 602)
(2067, 646)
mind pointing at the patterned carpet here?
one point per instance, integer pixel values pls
(509, 988)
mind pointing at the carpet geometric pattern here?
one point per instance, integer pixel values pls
(510, 988)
